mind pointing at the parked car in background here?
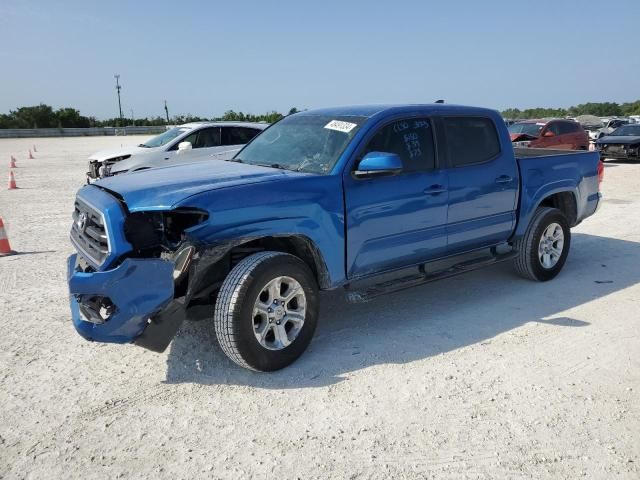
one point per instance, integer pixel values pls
(592, 125)
(186, 143)
(610, 126)
(557, 134)
(324, 199)
(622, 143)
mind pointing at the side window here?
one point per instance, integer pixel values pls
(189, 138)
(411, 140)
(238, 135)
(207, 138)
(565, 127)
(555, 128)
(470, 140)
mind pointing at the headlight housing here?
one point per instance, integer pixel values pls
(151, 233)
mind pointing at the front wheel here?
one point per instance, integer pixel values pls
(543, 249)
(266, 311)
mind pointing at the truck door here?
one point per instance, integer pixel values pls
(483, 183)
(396, 221)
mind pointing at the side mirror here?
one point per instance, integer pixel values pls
(549, 133)
(183, 146)
(377, 164)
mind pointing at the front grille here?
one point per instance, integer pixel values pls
(89, 234)
(615, 149)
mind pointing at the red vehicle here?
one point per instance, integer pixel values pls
(559, 134)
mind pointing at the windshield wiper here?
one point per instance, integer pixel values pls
(272, 165)
(237, 160)
(144, 146)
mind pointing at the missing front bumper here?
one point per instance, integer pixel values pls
(141, 291)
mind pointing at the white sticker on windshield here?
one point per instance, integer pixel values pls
(340, 126)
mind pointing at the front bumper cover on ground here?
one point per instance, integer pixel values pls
(142, 293)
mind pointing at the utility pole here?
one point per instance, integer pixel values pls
(118, 87)
(166, 111)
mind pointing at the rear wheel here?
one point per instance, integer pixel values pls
(543, 249)
(266, 311)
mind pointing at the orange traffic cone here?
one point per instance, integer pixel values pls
(5, 248)
(12, 163)
(34, 148)
(12, 181)
(31, 157)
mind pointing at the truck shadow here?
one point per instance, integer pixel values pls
(421, 322)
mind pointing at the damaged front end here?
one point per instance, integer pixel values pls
(141, 290)
(102, 168)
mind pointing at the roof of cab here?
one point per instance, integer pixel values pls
(373, 110)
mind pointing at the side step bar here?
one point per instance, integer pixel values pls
(402, 283)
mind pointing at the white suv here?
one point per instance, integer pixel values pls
(186, 143)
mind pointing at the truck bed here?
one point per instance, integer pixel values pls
(543, 172)
(526, 152)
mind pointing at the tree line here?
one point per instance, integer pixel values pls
(44, 116)
(603, 109)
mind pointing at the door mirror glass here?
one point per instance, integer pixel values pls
(379, 164)
(183, 146)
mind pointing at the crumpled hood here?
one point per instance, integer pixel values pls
(521, 136)
(620, 140)
(161, 188)
(103, 155)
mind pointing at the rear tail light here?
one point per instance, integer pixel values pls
(600, 173)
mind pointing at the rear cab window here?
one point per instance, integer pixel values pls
(470, 140)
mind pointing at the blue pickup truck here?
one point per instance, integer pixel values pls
(372, 199)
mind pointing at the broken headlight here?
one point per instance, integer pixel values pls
(151, 233)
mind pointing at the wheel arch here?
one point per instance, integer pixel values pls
(565, 201)
(216, 261)
(564, 198)
(298, 245)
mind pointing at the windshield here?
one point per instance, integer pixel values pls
(528, 128)
(626, 131)
(164, 138)
(306, 143)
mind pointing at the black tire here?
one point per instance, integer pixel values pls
(528, 264)
(232, 319)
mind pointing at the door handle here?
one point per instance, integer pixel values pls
(435, 190)
(504, 179)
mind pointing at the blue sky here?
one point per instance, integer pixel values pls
(210, 56)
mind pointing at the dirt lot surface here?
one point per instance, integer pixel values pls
(480, 376)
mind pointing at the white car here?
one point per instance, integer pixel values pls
(610, 125)
(188, 143)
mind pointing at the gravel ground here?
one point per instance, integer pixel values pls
(480, 376)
